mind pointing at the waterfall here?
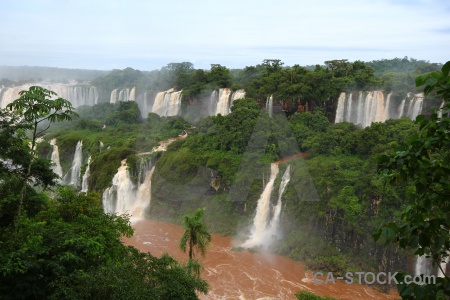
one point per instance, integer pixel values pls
(339, 109)
(76, 165)
(274, 223)
(375, 107)
(122, 95)
(423, 265)
(167, 103)
(258, 232)
(439, 112)
(113, 97)
(269, 105)
(93, 95)
(212, 104)
(443, 266)
(239, 94)
(174, 104)
(87, 173)
(265, 227)
(123, 196)
(57, 169)
(132, 95)
(387, 106)
(349, 104)
(77, 94)
(223, 104)
(417, 106)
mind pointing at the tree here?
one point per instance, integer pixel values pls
(425, 165)
(195, 233)
(72, 250)
(36, 107)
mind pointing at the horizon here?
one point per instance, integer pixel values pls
(158, 69)
(147, 36)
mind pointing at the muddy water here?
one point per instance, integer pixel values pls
(244, 275)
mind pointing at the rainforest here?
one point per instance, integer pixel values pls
(299, 169)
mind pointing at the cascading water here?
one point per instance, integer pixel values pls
(423, 265)
(239, 94)
(132, 95)
(269, 105)
(87, 173)
(340, 109)
(57, 169)
(77, 94)
(223, 103)
(76, 166)
(122, 95)
(123, 196)
(167, 103)
(274, 223)
(365, 108)
(443, 267)
(113, 97)
(265, 227)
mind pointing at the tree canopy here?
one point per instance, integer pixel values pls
(424, 165)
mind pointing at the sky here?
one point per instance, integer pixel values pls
(149, 34)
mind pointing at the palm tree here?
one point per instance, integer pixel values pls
(195, 233)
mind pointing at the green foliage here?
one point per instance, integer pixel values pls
(305, 295)
(36, 106)
(195, 233)
(348, 202)
(304, 125)
(423, 164)
(72, 250)
(137, 276)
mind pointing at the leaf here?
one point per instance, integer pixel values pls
(420, 80)
(446, 69)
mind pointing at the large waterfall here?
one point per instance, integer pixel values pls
(167, 103)
(73, 177)
(220, 102)
(85, 180)
(77, 94)
(57, 169)
(365, 108)
(223, 102)
(122, 95)
(124, 197)
(266, 221)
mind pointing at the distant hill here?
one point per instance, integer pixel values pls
(28, 73)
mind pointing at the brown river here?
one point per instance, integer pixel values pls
(244, 275)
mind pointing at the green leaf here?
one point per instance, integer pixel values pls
(420, 80)
(446, 69)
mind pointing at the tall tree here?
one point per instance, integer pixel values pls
(424, 164)
(195, 233)
(36, 107)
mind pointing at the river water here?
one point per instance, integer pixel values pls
(244, 275)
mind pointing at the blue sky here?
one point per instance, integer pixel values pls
(147, 35)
